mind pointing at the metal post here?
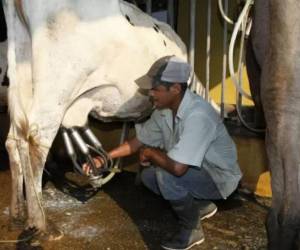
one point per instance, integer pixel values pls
(171, 13)
(241, 62)
(225, 44)
(192, 34)
(208, 45)
(149, 7)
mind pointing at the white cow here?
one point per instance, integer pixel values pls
(65, 59)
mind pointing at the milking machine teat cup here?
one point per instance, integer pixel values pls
(88, 150)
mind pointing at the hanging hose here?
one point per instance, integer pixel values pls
(225, 17)
(245, 26)
(243, 16)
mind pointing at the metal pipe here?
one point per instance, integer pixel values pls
(70, 150)
(192, 33)
(224, 72)
(241, 64)
(68, 143)
(171, 13)
(208, 45)
(79, 141)
(92, 138)
(125, 130)
(149, 7)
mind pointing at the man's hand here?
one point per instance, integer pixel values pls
(87, 168)
(145, 156)
(159, 158)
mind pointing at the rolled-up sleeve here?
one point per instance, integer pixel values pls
(197, 135)
(149, 132)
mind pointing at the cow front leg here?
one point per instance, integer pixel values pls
(284, 219)
(17, 204)
(277, 183)
(282, 226)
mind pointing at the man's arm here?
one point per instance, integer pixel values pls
(159, 158)
(127, 148)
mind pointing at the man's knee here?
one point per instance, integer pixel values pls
(170, 185)
(147, 175)
(163, 177)
(148, 178)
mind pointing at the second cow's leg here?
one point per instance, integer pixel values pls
(284, 218)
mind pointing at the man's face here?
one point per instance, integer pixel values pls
(162, 96)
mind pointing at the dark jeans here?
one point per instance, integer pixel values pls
(196, 182)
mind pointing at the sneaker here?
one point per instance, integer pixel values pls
(206, 209)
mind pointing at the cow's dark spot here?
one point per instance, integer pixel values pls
(129, 20)
(51, 27)
(165, 43)
(0, 70)
(5, 81)
(51, 23)
(156, 29)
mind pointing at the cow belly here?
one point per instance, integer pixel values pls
(106, 101)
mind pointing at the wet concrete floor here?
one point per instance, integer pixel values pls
(122, 215)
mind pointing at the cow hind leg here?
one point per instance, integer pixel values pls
(17, 204)
(34, 158)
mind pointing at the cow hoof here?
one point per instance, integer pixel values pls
(52, 233)
(49, 235)
(16, 224)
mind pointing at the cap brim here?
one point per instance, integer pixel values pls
(144, 82)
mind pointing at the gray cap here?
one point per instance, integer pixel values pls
(166, 69)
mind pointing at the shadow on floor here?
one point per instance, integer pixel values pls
(150, 213)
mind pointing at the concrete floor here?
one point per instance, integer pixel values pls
(123, 215)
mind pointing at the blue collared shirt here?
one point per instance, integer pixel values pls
(197, 138)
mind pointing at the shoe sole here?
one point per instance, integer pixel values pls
(212, 213)
(194, 244)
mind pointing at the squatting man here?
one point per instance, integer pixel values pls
(188, 157)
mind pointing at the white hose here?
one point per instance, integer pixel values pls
(237, 26)
(242, 21)
(226, 18)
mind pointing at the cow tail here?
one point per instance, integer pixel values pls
(18, 117)
(17, 111)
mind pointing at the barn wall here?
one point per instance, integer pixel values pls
(251, 152)
(216, 47)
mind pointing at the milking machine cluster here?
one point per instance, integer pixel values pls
(89, 146)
